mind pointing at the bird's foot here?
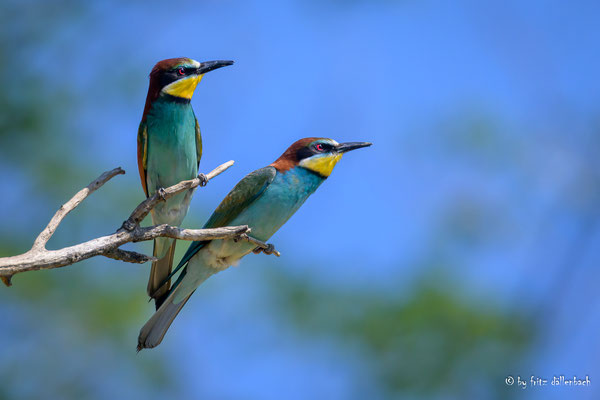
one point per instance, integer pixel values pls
(270, 249)
(128, 225)
(203, 179)
(162, 194)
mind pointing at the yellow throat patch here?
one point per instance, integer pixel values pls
(322, 164)
(183, 88)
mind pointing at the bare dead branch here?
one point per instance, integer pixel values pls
(35, 260)
(147, 205)
(46, 234)
(38, 257)
(128, 256)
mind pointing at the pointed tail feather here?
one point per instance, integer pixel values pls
(153, 332)
(158, 285)
(186, 284)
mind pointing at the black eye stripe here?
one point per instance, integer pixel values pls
(187, 70)
(322, 147)
(166, 77)
(312, 149)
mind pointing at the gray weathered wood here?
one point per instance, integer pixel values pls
(38, 257)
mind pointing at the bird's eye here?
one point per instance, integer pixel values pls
(319, 147)
(180, 71)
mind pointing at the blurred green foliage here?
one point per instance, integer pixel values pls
(60, 323)
(423, 343)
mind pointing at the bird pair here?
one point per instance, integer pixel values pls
(169, 151)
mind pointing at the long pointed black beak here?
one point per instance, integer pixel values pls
(208, 66)
(349, 146)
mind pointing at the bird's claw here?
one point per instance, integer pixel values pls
(270, 249)
(203, 179)
(162, 194)
(128, 226)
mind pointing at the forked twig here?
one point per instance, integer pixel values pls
(38, 257)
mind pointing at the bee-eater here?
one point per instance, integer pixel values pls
(169, 151)
(264, 200)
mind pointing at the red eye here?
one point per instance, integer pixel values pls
(319, 147)
(181, 71)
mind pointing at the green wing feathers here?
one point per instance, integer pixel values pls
(240, 197)
(142, 153)
(198, 142)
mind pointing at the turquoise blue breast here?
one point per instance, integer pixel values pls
(171, 128)
(280, 200)
(171, 156)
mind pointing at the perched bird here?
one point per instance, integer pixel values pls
(169, 151)
(264, 200)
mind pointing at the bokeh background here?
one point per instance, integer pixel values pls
(461, 248)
